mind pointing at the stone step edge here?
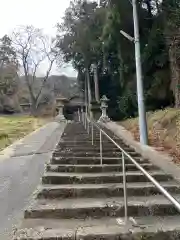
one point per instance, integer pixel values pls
(97, 165)
(109, 209)
(119, 231)
(73, 167)
(105, 232)
(104, 174)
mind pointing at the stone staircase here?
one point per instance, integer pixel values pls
(80, 199)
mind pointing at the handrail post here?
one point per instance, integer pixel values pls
(88, 122)
(82, 120)
(79, 117)
(85, 121)
(125, 189)
(100, 138)
(92, 133)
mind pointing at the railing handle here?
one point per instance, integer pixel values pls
(148, 176)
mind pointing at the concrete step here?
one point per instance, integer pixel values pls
(71, 140)
(91, 148)
(80, 199)
(92, 154)
(88, 137)
(88, 144)
(107, 177)
(96, 168)
(151, 228)
(82, 133)
(78, 148)
(78, 208)
(85, 131)
(103, 190)
(93, 160)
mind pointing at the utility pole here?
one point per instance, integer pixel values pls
(140, 94)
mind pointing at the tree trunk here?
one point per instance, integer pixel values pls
(175, 72)
(121, 66)
(34, 107)
(96, 83)
(86, 95)
(88, 86)
(89, 90)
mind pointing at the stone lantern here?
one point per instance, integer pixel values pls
(104, 117)
(60, 105)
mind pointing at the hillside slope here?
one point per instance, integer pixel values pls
(55, 85)
(163, 130)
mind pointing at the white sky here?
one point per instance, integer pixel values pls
(40, 13)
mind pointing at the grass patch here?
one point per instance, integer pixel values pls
(13, 128)
(163, 130)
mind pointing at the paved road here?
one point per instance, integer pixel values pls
(21, 167)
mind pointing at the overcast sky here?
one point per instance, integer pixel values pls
(39, 13)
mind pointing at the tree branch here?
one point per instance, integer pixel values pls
(45, 80)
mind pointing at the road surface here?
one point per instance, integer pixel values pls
(21, 168)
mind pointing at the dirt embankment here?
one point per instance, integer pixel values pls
(163, 131)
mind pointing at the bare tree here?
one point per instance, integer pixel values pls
(8, 66)
(34, 49)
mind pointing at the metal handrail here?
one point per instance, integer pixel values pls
(124, 153)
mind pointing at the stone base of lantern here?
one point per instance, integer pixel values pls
(104, 119)
(60, 118)
(95, 109)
